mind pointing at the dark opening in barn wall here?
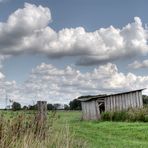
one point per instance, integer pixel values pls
(102, 108)
(101, 105)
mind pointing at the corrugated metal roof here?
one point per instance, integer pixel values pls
(104, 96)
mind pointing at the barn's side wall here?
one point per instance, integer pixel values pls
(90, 110)
(124, 101)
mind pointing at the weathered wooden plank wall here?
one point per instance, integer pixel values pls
(140, 99)
(123, 101)
(90, 110)
(137, 100)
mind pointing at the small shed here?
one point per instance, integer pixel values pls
(93, 105)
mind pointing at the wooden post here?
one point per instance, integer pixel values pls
(41, 119)
(42, 111)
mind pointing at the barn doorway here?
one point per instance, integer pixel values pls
(101, 105)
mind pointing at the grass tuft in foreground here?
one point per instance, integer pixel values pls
(24, 131)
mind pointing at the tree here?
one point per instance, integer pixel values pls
(32, 107)
(57, 106)
(50, 107)
(25, 107)
(16, 106)
(75, 105)
(66, 107)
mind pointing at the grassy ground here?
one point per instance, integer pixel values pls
(107, 134)
(102, 134)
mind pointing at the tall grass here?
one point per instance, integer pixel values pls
(132, 114)
(24, 131)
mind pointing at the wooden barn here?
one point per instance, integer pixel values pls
(93, 105)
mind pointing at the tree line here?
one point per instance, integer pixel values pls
(73, 105)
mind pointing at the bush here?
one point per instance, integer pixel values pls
(136, 114)
(146, 118)
(106, 116)
(119, 116)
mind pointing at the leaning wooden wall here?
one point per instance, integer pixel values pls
(124, 101)
(90, 110)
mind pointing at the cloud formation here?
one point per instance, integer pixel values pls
(26, 31)
(62, 85)
(139, 64)
(56, 85)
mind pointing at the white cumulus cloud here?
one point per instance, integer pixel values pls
(139, 64)
(56, 85)
(27, 30)
(62, 85)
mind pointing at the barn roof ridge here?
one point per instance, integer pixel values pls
(103, 96)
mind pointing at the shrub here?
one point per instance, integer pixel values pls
(119, 116)
(146, 118)
(137, 114)
(107, 116)
(132, 114)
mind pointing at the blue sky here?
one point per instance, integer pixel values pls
(91, 14)
(98, 38)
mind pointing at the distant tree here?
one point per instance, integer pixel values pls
(50, 107)
(75, 105)
(16, 106)
(25, 107)
(57, 106)
(66, 107)
(32, 107)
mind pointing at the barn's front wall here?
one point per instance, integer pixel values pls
(90, 110)
(123, 101)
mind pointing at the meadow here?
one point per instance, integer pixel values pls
(66, 130)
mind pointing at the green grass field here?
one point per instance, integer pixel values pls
(102, 134)
(108, 134)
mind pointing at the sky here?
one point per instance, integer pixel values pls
(59, 50)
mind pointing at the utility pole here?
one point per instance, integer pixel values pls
(6, 101)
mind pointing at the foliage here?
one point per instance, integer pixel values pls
(25, 107)
(32, 107)
(145, 99)
(50, 107)
(75, 105)
(146, 118)
(132, 114)
(16, 106)
(24, 130)
(67, 130)
(57, 106)
(66, 107)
